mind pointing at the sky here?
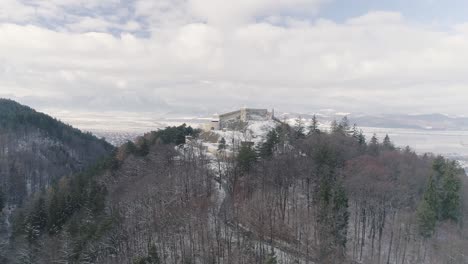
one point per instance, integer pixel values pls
(366, 56)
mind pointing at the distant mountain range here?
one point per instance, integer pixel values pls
(417, 121)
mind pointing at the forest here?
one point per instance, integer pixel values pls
(300, 196)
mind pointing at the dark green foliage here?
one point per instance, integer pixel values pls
(169, 135)
(52, 210)
(51, 150)
(174, 135)
(267, 148)
(374, 146)
(442, 198)
(58, 212)
(222, 144)
(451, 192)
(36, 221)
(246, 158)
(130, 147)
(427, 219)
(143, 147)
(361, 138)
(76, 204)
(387, 143)
(333, 216)
(14, 116)
(341, 215)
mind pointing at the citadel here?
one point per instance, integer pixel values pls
(231, 119)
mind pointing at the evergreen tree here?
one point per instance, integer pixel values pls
(344, 125)
(387, 143)
(361, 138)
(57, 212)
(246, 158)
(313, 128)
(37, 220)
(374, 145)
(431, 196)
(222, 144)
(299, 128)
(442, 198)
(143, 147)
(333, 217)
(341, 217)
(450, 200)
(334, 127)
(267, 148)
(355, 132)
(426, 218)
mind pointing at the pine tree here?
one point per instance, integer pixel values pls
(222, 144)
(267, 148)
(334, 127)
(56, 212)
(246, 158)
(344, 126)
(426, 219)
(299, 128)
(361, 138)
(387, 143)
(341, 215)
(374, 145)
(143, 147)
(355, 132)
(450, 200)
(37, 220)
(313, 128)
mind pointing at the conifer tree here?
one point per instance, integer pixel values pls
(267, 148)
(299, 128)
(222, 144)
(426, 219)
(313, 128)
(246, 158)
(361, 138)
(387, 143)
(374, 145)
(450, 200)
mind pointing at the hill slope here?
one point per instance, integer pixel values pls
(36, 149)
(317, 198)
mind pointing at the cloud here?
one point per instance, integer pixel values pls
(200, 54)
(241, 11)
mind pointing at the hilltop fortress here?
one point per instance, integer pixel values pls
(243, 115)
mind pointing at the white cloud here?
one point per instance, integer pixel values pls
(241, 11)
(192, 58)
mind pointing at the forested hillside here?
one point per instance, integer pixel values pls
(36, 150)
(300, 196)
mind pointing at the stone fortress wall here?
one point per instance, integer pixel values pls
(244, 115)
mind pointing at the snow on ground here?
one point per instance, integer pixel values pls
(256, 131)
